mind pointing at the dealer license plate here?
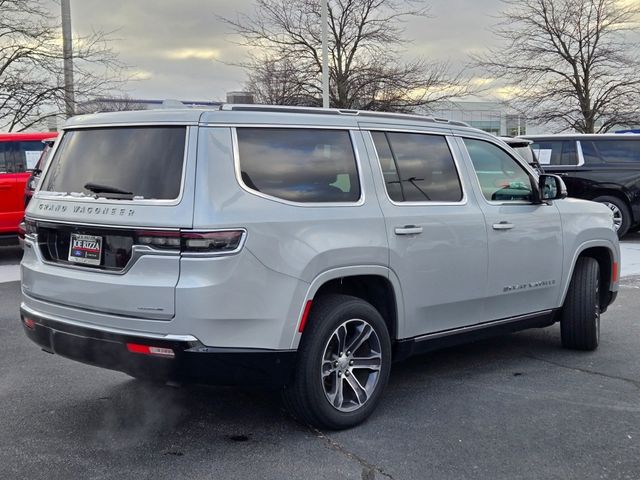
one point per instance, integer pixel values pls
(85, 249)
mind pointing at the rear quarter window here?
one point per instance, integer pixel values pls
(298, 164)
(611, 151)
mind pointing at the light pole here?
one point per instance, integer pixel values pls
(67, 54)
(325, 55)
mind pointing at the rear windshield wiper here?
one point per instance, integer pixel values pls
(99, 188)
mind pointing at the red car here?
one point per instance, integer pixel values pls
(19, 154)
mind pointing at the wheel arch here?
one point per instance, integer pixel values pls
(377, 285)
(605, 255)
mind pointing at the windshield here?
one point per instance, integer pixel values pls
(145, 161)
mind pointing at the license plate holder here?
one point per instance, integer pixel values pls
(85, 249)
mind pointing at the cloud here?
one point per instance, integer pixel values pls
(193, 53)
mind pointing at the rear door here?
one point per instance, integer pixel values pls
(436, 232)
(525, 238)
(108, 216)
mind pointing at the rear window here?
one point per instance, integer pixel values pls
(298, 164)
(556, 152)
(145, 161)
(611, 151)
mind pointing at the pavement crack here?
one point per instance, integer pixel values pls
(367, 468)
(635, 383)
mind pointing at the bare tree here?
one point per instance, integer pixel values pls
(122, 103)
(365, 67)
(570, 62)
(31, 65)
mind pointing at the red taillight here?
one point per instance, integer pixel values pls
(30, 323)
(150, 350)
(615, 271)
(220, 241)
(305, 316)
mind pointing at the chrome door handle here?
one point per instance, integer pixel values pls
(503, 226)
(408, 230)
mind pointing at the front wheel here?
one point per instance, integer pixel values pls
(343, 365)
(580, 321)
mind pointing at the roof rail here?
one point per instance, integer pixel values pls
(337, 111)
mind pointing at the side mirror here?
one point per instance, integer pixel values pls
(551, 187)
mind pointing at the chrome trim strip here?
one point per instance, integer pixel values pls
(137, 252)
(236, 162)
(462, 201)
(132, 124)
(117, 331)
(50, 195)
(226, 124)
(479, 326)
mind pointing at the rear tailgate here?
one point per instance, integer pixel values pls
(90, 245)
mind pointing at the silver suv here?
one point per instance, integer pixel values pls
(304, 248)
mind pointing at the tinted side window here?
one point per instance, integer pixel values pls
(611, 151)
(388, 165)
(27, 155)
(4, 156)
(501, 177)
(299, 165)
(556, 152)
(424, 167)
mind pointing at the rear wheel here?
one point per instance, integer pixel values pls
(621, 213)
(343, 365)
(580, 321)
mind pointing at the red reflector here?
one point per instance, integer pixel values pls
(29, 323)
(305, 315)
(615, 271)
(150, 350)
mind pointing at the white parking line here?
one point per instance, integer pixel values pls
(9, 273)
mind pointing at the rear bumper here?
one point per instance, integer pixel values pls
(192, 362)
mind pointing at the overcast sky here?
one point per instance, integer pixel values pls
(177, 48)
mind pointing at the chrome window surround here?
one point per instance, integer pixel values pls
(580, 155)
(525, 166)
(462, 201)
(48, 195)
(236, 163)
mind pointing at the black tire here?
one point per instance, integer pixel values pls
(305, 397)
(622, 207)
(580, 320)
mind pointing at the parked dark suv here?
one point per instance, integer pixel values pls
(603, 168)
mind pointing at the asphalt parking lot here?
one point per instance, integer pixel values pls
(514, 407)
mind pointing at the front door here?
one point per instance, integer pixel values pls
(10, 202)
(436, 231)
(525, 237)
